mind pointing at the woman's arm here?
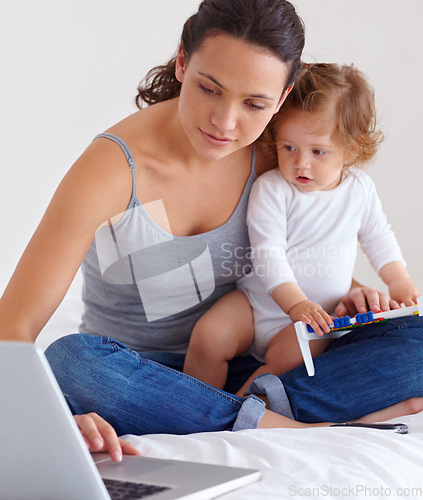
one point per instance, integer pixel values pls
(97, 187)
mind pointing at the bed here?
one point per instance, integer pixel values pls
(295, 463)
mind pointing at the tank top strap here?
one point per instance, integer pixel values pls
(128, 155)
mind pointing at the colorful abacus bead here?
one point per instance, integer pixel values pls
(342, 322)
(364, 318)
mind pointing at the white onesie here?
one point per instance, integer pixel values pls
(310, 239)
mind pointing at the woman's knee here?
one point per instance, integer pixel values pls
(69, 348)
(87, 367)
(74, 358)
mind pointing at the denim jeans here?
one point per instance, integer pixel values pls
(137, 395)
(372, 367)
(366, 370)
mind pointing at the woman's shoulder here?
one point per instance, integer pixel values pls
(104, 164)
(102, 175)
(147, 125)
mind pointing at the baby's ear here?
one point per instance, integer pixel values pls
(351, 155)
(283, 97)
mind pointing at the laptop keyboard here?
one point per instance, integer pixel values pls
(122, 490)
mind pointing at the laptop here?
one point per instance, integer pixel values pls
(43, 455)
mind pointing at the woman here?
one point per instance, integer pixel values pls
(183, 167)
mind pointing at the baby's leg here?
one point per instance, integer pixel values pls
(225, 331)
(284, 354)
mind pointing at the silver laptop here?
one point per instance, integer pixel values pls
(43, 455)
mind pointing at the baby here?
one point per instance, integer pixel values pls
(304, 221)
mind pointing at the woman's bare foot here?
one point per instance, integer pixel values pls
(406, 407)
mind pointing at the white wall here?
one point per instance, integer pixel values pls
(384, 39)
(70, 70)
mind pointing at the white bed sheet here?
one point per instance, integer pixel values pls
(295, 463)
(311, 463)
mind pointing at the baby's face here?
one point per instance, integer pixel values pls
(308, 157)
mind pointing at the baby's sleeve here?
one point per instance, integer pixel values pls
(267, 229)
(376, 236)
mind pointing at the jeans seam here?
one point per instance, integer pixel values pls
(398, 324)
(114, 345)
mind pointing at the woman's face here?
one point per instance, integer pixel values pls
(230, 91)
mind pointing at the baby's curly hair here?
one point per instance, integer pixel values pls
(345, 92)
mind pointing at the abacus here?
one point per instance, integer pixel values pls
(345, 324)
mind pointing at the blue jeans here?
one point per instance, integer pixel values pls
(372, 367)
(137, 395)
(367, 370)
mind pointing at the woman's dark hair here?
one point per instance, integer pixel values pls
(270, 24)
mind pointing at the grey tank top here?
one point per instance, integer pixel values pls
(147, 288)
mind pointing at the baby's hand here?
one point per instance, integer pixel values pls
(404, 291)
(312, 314)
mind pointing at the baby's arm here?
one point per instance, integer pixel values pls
(382, 248)
(293, 301)
(400, 286)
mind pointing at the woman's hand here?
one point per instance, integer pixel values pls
(99, 435)
(361, 299)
